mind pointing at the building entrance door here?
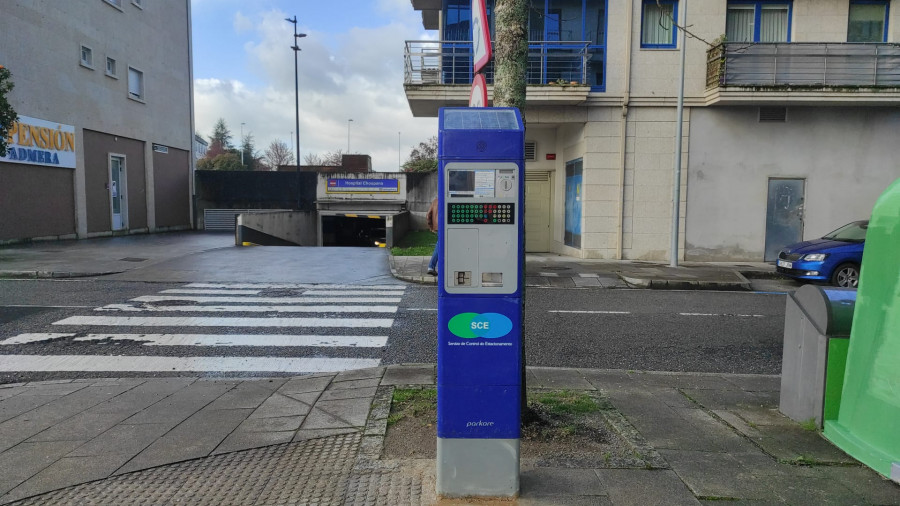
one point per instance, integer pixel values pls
(117, 192)
(784, 215)
(537, 211)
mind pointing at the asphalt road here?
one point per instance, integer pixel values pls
(699, 331)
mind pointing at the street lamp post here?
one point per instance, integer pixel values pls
(242, 144)
(348, 134)
(399, 165)
(296, 49)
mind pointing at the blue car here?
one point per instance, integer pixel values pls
(835, 258)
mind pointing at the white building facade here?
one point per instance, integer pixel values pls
(103, 90)
(790, 125)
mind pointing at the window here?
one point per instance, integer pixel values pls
(135, 84)
(868, 21)
(656, 23)
(138, 3)
(758, 21)
(110, 67)
(115, 3)
(87, 57)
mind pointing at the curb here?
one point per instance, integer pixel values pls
(743, 284)
(52, 274)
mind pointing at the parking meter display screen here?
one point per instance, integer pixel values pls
(462, 183)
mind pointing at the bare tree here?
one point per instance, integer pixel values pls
(278, 153)
(329, 159)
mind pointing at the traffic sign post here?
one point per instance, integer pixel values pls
(478, 98)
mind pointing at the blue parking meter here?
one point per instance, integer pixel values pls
(481, 191)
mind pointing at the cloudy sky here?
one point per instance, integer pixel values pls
(351, 67)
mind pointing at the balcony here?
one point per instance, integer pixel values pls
(439, 73)
(797, 73)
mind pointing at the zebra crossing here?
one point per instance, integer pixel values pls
(200, 323)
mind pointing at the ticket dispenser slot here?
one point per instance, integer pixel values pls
(481, 236)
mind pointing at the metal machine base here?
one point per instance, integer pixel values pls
(477, 467)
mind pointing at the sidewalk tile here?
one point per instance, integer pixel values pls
(557, 378)
(123, 439)
(359, 374)
(27, 459)
(645, 487)
(336, 414)
(604, 379)
(66, 472)
(353, 384)
(307, 434)
(281, 405)
(306, 384)
(756, 382)
(812, 491)
(409, 375)
(350, 393)
(182, 404)
(248, 394)
(685, 381)
(196, 437)
(868, 484)
(244, 440)
(544, 481)
(719, 475)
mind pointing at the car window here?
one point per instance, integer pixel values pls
(852, 232)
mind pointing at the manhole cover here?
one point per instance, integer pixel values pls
(132, 259)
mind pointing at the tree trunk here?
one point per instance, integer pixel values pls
(510, 53)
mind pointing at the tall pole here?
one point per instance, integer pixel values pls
(296, 49)
(399, 165)
(679, 118)
(348, 134)
(242, 144)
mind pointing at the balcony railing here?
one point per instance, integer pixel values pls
(450, 62)
(803, 64)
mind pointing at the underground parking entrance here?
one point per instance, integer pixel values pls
(354, 230)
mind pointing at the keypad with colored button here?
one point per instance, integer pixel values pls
(481, 214)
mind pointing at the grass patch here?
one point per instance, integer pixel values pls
(809, 425)
(419, 243)
(567, 403)
(413, 402)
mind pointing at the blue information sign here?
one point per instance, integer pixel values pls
(363, 186)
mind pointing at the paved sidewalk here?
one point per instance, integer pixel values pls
(318, 440)
(544, 269)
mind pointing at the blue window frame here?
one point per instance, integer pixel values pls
(758, 21)
(868, 21)
(657, 24)
(557, 31)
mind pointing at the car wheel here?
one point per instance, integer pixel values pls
(846, 275)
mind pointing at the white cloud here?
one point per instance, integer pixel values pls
(242, 23)
(354, 74)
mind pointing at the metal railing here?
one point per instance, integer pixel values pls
(450, 62)
(803, 64)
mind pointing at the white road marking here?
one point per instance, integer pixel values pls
(251, 309)
(270, 300)
(215, 339)
(263, 286)
(99, 363)
(350, 292)
(33, 338)
(588, 312)
(421, 309)
(202, 321)
(211, 291)
(717, 314)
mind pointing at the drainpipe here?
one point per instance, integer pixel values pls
(620, 225)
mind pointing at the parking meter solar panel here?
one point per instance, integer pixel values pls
(480, 119)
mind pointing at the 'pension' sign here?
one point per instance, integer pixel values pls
(38, 142)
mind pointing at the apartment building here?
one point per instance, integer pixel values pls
(104, 137)
(790, 121)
